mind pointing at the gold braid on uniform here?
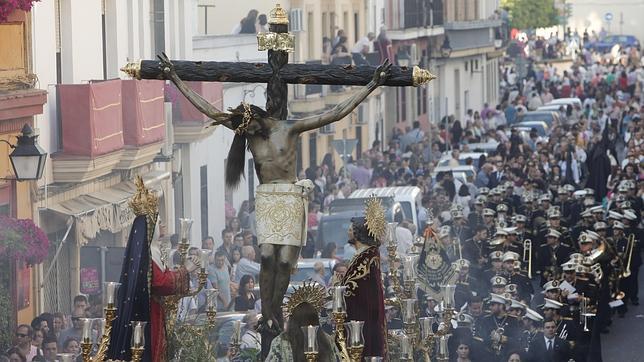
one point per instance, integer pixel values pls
(375, 218)
(312, 293)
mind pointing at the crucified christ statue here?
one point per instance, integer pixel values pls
(273, 144)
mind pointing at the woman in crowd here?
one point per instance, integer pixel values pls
(246, 299)
(71, 345)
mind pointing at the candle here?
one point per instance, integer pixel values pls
(426, 327)
(409, 311)
(204, 254)
(310, 337)
(236, 338)
(110, 290)
(184, 229)
(138, 335)
(355, 333)
(86, 333)
(448, 295)
(409, 268)
(406, 350)
(391, 232)
(100, 326)
(339, 305)
(211, 298)
(442, 346)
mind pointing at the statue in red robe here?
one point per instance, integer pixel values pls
(364, 294)
(145, 280)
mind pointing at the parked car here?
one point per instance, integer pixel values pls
(606, 45)
(304, 269)
(575, 102)
(409, 197)
(542, 127)
(460, 172)
(487, 147)
(462, 158)
(549, 117)
(333, 227)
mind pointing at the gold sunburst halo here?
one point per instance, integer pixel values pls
(375, 218)
(312, 293)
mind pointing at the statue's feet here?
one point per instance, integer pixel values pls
(269, 325)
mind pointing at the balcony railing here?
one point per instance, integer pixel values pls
(422, 13)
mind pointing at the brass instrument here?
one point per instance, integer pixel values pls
(585, 312)
(497, 340)
(630, 245)
(527, 255)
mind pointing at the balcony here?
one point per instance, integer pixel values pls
(92, 130)
(190, 124)
(417, 19)
(143, 121)
(470, 37)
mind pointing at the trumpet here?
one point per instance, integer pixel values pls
(527, 255)
(630, 245)
(585, 312)
(497, 339)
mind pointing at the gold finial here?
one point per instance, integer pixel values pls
(375, 218)
(312, 293)
(278, 15)
(144, 202)
(421, 76)
(133, 69)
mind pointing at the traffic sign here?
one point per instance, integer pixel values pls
(345, 147)
(608, 17)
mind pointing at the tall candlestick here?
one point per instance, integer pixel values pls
(204, 255)
(138, 334)
(211, 298)
(184, 229)
(310, 338)
(409, 311)
(406, 348)
(409, 268)
(448, 295)
(391, 233)
(338, 304)
(356, 337)
(110, 293)
(66, 357)
(86, 333)
(426, 325)
(236, 337)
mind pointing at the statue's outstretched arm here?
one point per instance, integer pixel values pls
(195, 98)
(346, 107)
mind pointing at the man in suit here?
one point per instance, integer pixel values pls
(547, 347)
(551, 255)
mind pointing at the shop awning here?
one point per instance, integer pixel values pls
(106, 210)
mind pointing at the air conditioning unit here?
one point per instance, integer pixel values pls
(296, 20)
(328, 129)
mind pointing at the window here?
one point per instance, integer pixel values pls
(325, 25)
(204, 200)
(310, 23)
(356, 26)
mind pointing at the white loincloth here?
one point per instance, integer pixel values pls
(281, 213)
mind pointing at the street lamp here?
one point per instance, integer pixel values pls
(446, 49)
(28, 158)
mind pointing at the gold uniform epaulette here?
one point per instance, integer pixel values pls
(566, 318)
(478, 338)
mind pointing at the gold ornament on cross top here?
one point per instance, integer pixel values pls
(278, 15)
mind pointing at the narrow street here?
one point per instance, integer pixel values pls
(624, 343)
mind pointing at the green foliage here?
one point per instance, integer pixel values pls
(7, 324)
(191, 343)
(531, 14)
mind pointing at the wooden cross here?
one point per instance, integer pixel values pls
(277, 72)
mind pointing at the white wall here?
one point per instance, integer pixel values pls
(590, 14)
(82, 50)
(474, 83)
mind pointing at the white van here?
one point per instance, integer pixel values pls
(409, 198)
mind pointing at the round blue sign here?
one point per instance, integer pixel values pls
(608, 16)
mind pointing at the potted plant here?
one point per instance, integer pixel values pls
(9, 6)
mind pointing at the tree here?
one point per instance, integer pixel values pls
(531, 14)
